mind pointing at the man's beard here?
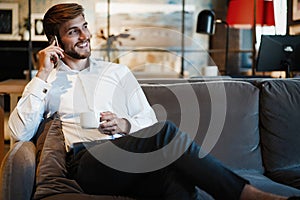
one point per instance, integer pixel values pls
(77, 55)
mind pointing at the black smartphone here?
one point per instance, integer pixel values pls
(53, 58)
(53, 38)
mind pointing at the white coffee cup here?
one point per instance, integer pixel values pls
(210, 71)
(90, 119)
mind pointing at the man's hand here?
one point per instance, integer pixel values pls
(112, 124)
(47, 60)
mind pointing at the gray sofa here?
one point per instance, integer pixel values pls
(251, 125)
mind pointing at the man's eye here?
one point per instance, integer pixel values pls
(72, 32)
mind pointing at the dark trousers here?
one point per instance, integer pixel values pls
(158, 162)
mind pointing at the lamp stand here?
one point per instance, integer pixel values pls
(254, 39)
(219, 21)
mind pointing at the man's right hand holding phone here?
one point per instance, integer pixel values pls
(48, 58)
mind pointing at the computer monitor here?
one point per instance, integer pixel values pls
(279, 53)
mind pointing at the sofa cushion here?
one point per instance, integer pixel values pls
(280, 129)
(266, 184)
(51, 173)
(17, 172)
(290, 176)
(222, 114)
(40, 136)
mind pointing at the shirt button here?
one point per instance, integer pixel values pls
(45, 90)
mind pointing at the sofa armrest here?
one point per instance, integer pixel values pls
(17, 172)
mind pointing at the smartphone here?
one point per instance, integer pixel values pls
(53, 38)
(53, 59)
(56, 41)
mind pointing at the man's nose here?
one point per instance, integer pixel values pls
(85, 35)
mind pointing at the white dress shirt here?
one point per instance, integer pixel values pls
(103, 86)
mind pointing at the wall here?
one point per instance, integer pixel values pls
(195, 42)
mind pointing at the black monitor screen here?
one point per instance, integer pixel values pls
(279, 53)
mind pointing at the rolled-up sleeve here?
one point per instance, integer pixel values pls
(27, 115)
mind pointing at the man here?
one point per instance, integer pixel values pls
(70, 82)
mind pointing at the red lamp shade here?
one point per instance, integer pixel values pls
(240, 13)
(269, 18)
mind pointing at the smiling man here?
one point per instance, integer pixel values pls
(70, 82)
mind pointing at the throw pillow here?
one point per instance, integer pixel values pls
(51, 173)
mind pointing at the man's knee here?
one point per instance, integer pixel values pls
(168, 125)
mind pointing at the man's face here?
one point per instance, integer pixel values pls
(75, 38)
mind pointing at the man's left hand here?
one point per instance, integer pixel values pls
(112, 124)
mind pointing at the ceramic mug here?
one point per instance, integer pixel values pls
(89, 119)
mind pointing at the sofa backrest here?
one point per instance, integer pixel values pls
(222, 115)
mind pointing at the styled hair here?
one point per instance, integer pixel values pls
(59, 14)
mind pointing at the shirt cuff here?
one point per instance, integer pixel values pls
(38, 88)
(134, 127)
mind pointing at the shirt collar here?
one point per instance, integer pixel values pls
(61, 66)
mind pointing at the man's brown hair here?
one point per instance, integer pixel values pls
(59, 14)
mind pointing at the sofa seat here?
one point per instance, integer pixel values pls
(266, 184)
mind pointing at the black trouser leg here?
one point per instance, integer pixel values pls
(171, 147)
(97, 178)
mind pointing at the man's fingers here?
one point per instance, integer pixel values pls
(108, 116)
(109, 130)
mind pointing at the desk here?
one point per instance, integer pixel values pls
(14, 88)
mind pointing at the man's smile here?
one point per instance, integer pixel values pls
(84, 44)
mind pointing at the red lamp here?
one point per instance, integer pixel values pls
(269, 18)
(249, 14)
(241, 13)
